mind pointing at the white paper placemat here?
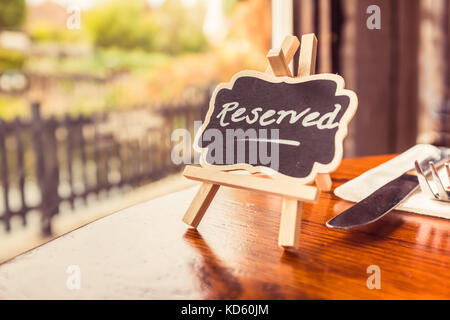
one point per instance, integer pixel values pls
(362, 186)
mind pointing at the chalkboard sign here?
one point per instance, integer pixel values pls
(287, 127)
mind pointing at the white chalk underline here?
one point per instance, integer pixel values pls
(279, 141)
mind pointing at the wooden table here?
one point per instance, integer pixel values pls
(147, 252)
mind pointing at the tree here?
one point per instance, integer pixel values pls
(12, 13)
(181, 28)
(131, 24)
(121, 24)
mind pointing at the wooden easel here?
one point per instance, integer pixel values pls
(292, 193)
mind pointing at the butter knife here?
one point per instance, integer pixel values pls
(386, 198)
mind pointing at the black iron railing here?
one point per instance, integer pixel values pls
(47, 161)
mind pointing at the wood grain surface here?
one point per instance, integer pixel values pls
(147, 252)
(412, 251)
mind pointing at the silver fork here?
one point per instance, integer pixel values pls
(441, 191)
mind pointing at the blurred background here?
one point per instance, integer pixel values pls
(91, 90)
(90, 93)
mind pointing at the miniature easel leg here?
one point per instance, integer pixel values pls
(291, 213)
(291, 216)
(200, 204)
(323, 181)
(306, 67)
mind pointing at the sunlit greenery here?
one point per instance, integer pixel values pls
(100, 64)
(11, 59)
(47, 33)
(14, 106)
(229, 5)
(132, 25)
(12, 13)
(121, 24)
(127, 53)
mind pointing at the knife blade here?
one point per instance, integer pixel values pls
(384, 199)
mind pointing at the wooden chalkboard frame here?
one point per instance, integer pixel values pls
(317, 167)
(293, 192)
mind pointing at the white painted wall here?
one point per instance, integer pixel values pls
(282, 21)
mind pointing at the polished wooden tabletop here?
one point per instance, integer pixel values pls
(147, 252)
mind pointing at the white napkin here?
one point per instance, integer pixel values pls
(362, 186)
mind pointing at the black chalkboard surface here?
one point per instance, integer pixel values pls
(287, 127)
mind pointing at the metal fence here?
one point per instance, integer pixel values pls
(47, 161)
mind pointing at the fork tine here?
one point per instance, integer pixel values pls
(423, 182)
(441, 190)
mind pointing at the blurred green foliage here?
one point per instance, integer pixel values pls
(118, 59)
(121, 24)
(46, 32)
(132, 25)
(180, 29)
(131, 54)
(12, 13)
(100, 64)
(11, 59)
(13, 106)
(228, 6)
